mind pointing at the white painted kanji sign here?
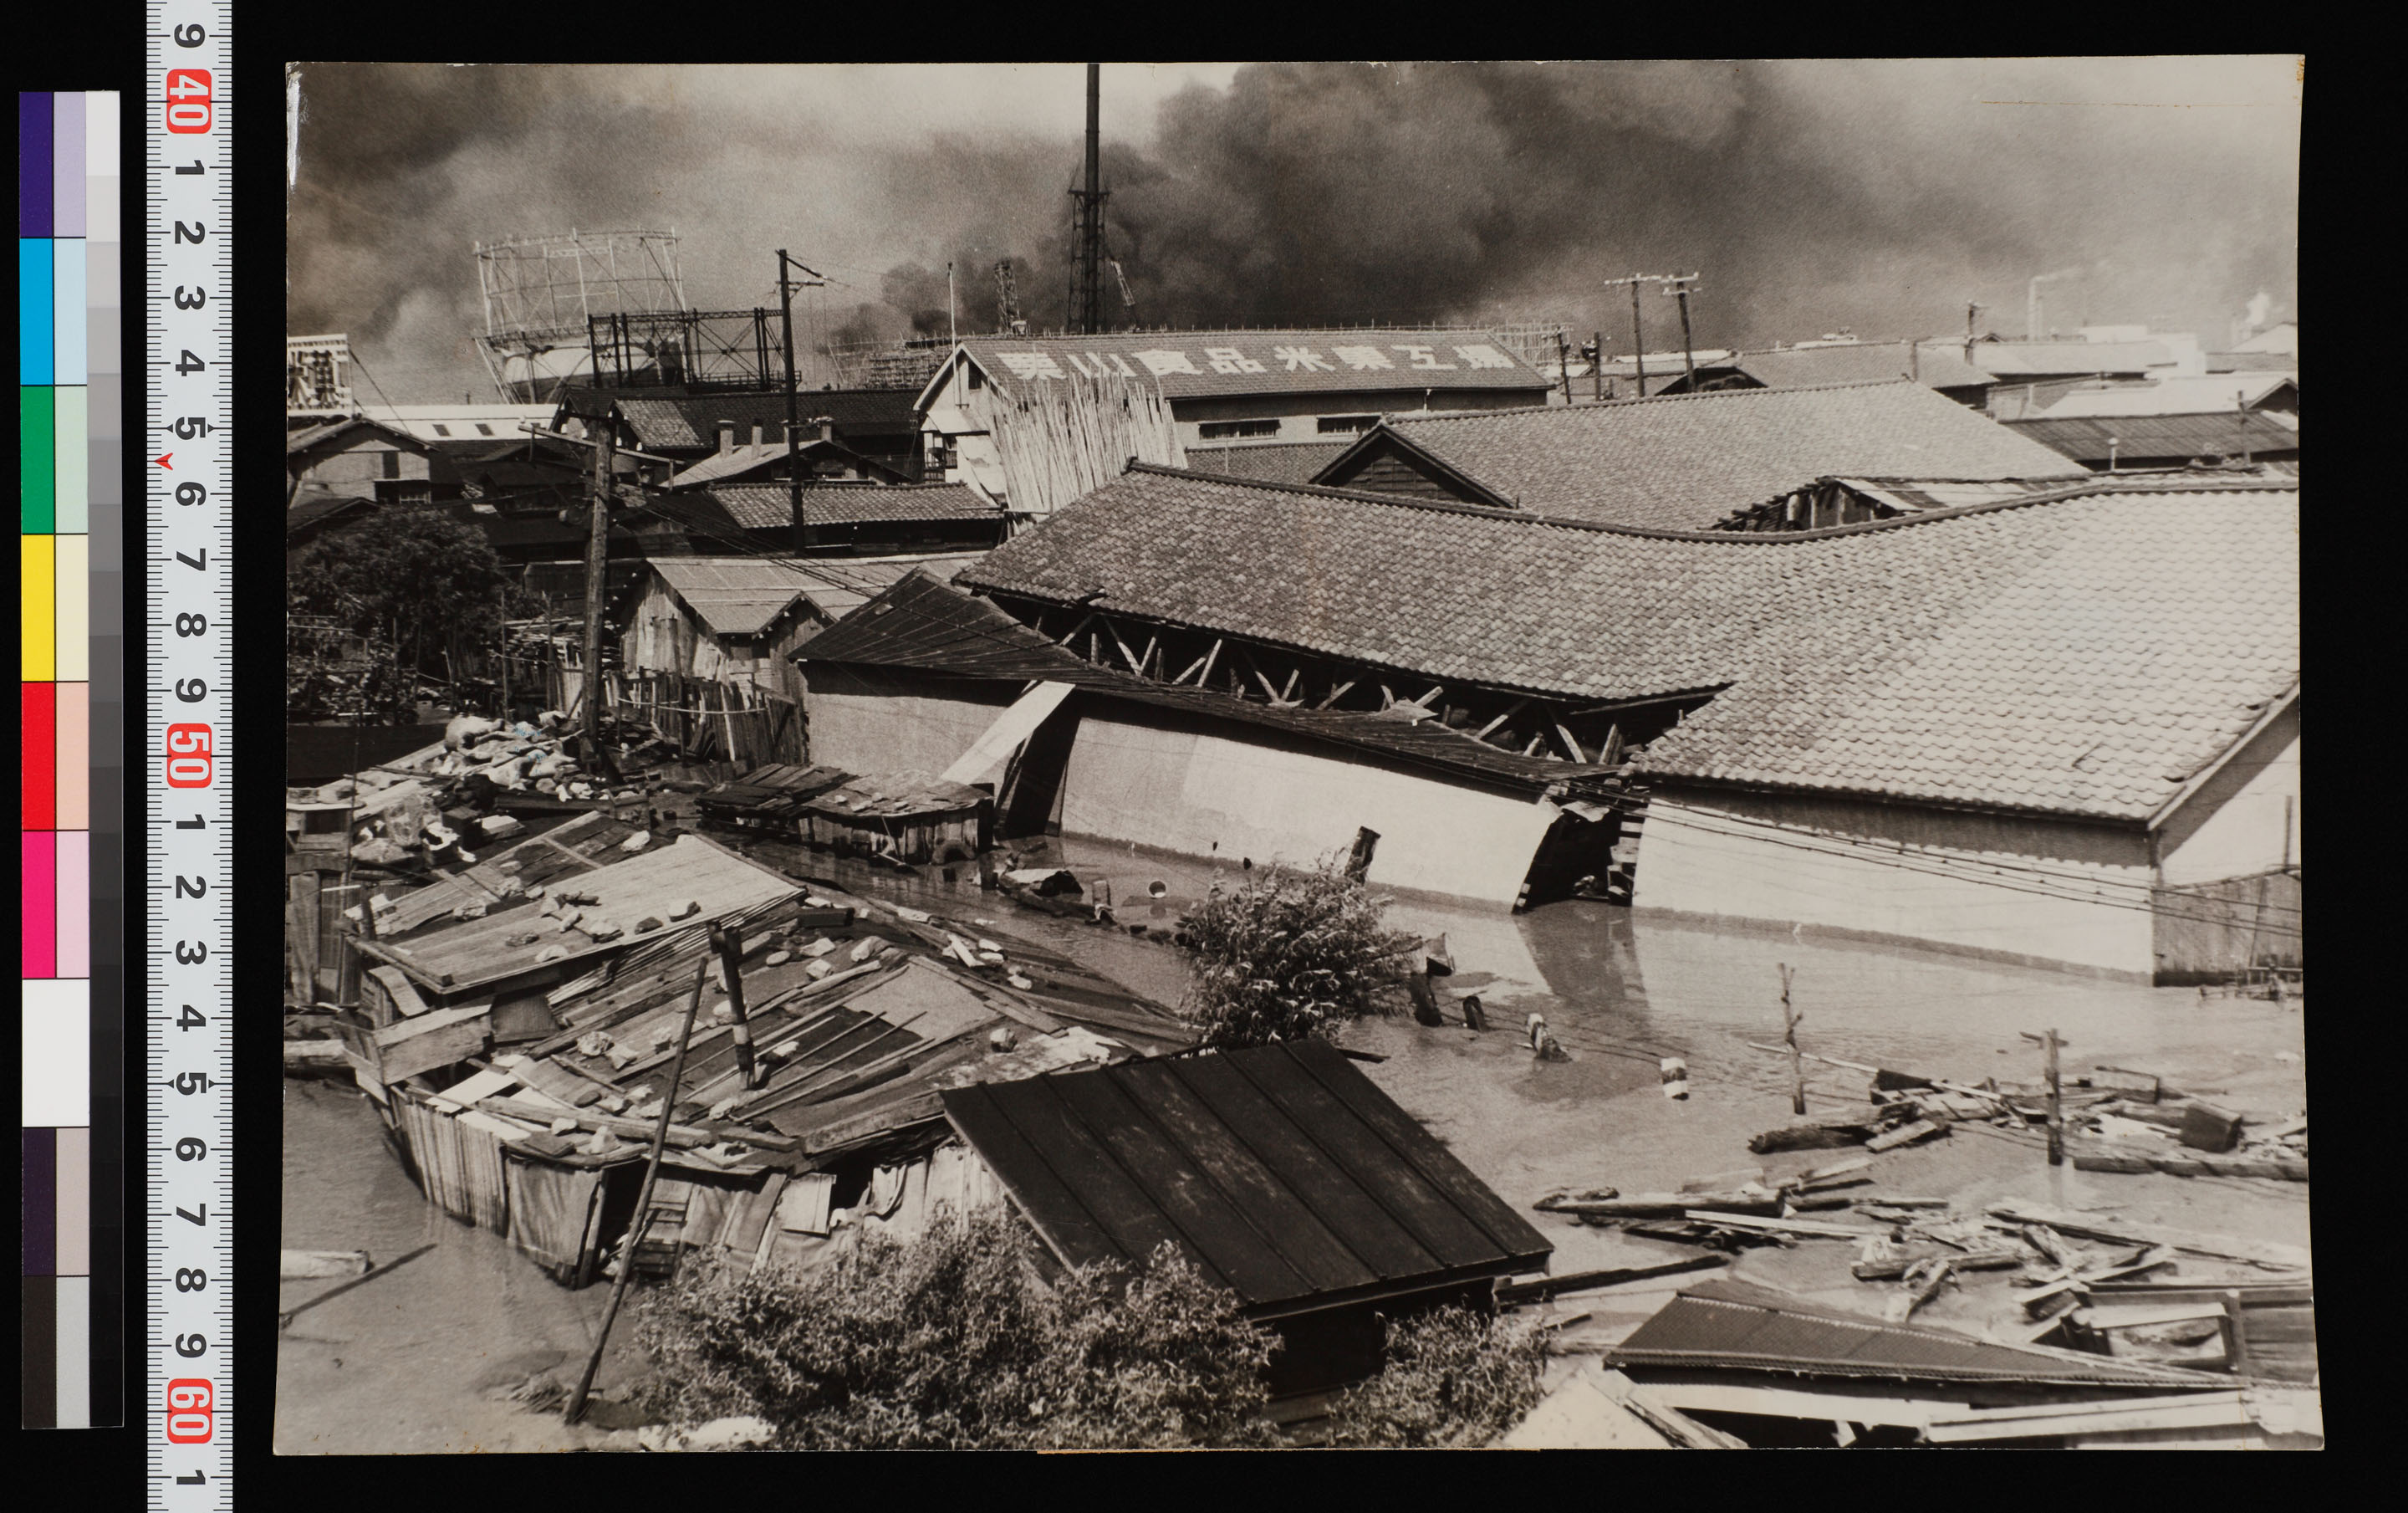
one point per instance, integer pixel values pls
(1360, 358)
(1159, 363)
(1301, 360)
(1231, 360)
(1033, 365)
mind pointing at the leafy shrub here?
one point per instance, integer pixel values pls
(1454, 1377)
(953, 1342)
(1293, 953)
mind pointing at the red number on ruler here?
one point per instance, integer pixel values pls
(187, 100)
(190, 764)
(192, 1416)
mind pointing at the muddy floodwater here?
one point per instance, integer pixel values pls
(411, 1362)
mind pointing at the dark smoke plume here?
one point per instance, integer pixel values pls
(1877, 197)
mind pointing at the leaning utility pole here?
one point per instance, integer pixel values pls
(1688, 350)
(786, 287)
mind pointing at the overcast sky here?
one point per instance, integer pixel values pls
(1878, 197)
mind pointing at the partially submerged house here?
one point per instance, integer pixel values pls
(1279, 1172)
(1780, 1370)
(1688, 462)
(1227, 387)
(1822, 363)
(1218, 760)
(1963, 726)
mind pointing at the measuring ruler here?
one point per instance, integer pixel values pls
(185, 536)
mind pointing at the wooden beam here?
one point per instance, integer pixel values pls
(1151, 645)
(1511, 710)
(1134, 665)
(1068, 636)
(1533, 746)
(1335, 694)
(1429, 700)
(1203, 662)
(1578, 755)
(1207, 675)
(1269, 692)
(1287, 695)
(1387, 697)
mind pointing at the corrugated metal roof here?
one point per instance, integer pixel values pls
(745, 595)
(1999, 656)
(766, 506)
(1685, 462)
(2033, 359)
(1281, 1171)
(2212, 395)
(1191, 364)
(1736, 1325)
(684, 423)
(1866, 362)
(932, 627)
(2226, 434)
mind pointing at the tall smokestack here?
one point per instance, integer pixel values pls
(1086, 313)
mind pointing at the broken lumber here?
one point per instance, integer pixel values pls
(2131, 1161)
(679, 1134)
(1661, 1204)
(1923, 1280)
(296, 1265)
(1784, 1223)
(1905, 1134)
(2224, 1248)
(1825, 1133)
(2208, 1128)
(1543, 1287)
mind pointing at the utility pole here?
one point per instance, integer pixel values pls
(1789, 1019)
(953, 326)
(1689, 353)
(786, 287)
(1971, 310)
(1596, 363)
(1564, 361)
(2051, 1044)
(598, 550)
(1637, 331)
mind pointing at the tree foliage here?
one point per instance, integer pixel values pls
(954, 1342)
(1293, 953)
(1454, 1377)
(413, 580)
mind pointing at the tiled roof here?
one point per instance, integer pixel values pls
(302, 440)
(1869, 362)
(1729, 1324)
(733, 596)
(2081, 652)
(685, 424)
(1685, 462)
(309, 511)
(1204, 364)
(2030, 359)
(1281, 1171)
(2087, 438)
(764, 506)
(1276, 462)
(932, 627)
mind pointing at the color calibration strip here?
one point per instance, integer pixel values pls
(70, 389)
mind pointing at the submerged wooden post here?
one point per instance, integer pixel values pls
(731, 951)
(576, 1409)
(2056, 1108)
(1789, 1035)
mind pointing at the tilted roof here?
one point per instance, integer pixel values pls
(746, 457)
(1729, 1324)
(766, 506)
(1192, 365)
(2080, 653)
(932, 627)
(1281, 1171)
(684, 423)
(1686, 461)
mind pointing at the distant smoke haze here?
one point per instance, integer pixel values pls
(1877, 197)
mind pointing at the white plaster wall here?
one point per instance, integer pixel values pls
(2246, 834)
(1185, 792)
(863, 730)
(1709, 852)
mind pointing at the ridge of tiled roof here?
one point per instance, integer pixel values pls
(1686, 461)
(764, 506)
(1970, 657)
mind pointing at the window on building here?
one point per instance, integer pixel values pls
(483, 429)
(1216, 430)
(443, 430)
(977, 378)
(1347, 425)
(392, 464)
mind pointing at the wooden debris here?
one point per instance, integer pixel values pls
(2208, 1128)
(2068, 1222)
(300, 1264)
(1922, 1280)
(1904, 1135)
(1784, 1223)
(1663, 1205)
(1543, 1287)
(1829, 1131)
(2281, 1168)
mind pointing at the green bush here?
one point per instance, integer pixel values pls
(1293, 953)
(954, 1342)
(1454, 1377)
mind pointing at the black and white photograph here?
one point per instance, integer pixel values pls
(1159, 756)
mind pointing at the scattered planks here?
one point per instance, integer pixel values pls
(2136, 1157)
(1544, 1288)
(2123, 1232)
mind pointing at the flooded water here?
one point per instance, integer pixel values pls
(400, 1363)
